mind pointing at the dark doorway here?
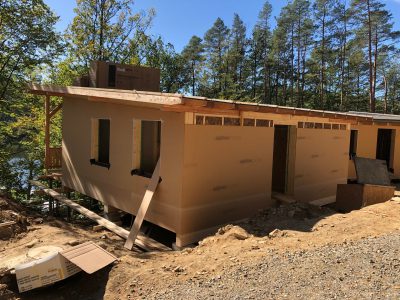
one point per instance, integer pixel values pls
(384, 147)
(353, 144)
(279, 165)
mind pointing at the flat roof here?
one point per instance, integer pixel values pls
(181, 103)
(377, 117)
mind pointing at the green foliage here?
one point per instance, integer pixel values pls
(105, 30)
(317, 57)
(193, 56)
(323, 54)
(216, 44)
(28, 43)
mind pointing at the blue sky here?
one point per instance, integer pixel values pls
(177, 20)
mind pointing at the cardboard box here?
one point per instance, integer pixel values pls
(87, 257)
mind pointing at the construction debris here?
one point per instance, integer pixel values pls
(60, 265)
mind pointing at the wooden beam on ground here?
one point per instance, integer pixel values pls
(148, 195)
(142, 241)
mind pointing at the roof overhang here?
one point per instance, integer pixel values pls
(126, 97)
(180, 103)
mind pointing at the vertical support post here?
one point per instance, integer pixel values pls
(47, 131)
(69, 211)
(51, 201)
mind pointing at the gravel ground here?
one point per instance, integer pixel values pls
(364, 269)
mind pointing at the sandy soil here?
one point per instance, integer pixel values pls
(246, 260)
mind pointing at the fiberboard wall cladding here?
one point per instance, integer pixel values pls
(321, 163)
(116, 186)
(367, 141)
(226, 177)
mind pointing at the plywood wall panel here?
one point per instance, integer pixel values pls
(116, 186)
(321, 163)
(367, 140)
(227, 175)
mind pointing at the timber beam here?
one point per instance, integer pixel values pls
(142, 241)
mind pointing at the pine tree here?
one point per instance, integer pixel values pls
(193, 57)
(237, 58)
(216, 44)
(374, 30)
(259, 52)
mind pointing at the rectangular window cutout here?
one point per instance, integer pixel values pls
(262, 123)
(327, 126)
(300, 124)
(353, 144)
(101, 143)
(335, 126)
(231, 121)
(318, 125)
(249, 122)
(308, 125)
(343, 127)
(199, 120)
(150, 146)
(213, 120)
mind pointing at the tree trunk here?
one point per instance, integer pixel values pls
(344, 45)
(375, 65)
(298, 61)
(292, 68)
(371, 85)
(323, 60)
(386, 94)
(193, 78)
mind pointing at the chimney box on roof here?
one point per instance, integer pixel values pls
(125, 77)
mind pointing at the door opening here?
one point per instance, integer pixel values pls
(280, 159)
(385, 146)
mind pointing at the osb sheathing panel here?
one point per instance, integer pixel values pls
(226, 177)
(367, 140)
(116, 186)
(321, 163)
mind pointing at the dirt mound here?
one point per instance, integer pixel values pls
(12, 222)
(227, 233)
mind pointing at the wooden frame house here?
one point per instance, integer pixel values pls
(219, 161)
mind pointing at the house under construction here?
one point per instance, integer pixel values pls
(218, 161)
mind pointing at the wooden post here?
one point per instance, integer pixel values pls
(47, 132)
(51, 201)
(69, 211)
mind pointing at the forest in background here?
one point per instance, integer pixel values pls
(338, 55)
